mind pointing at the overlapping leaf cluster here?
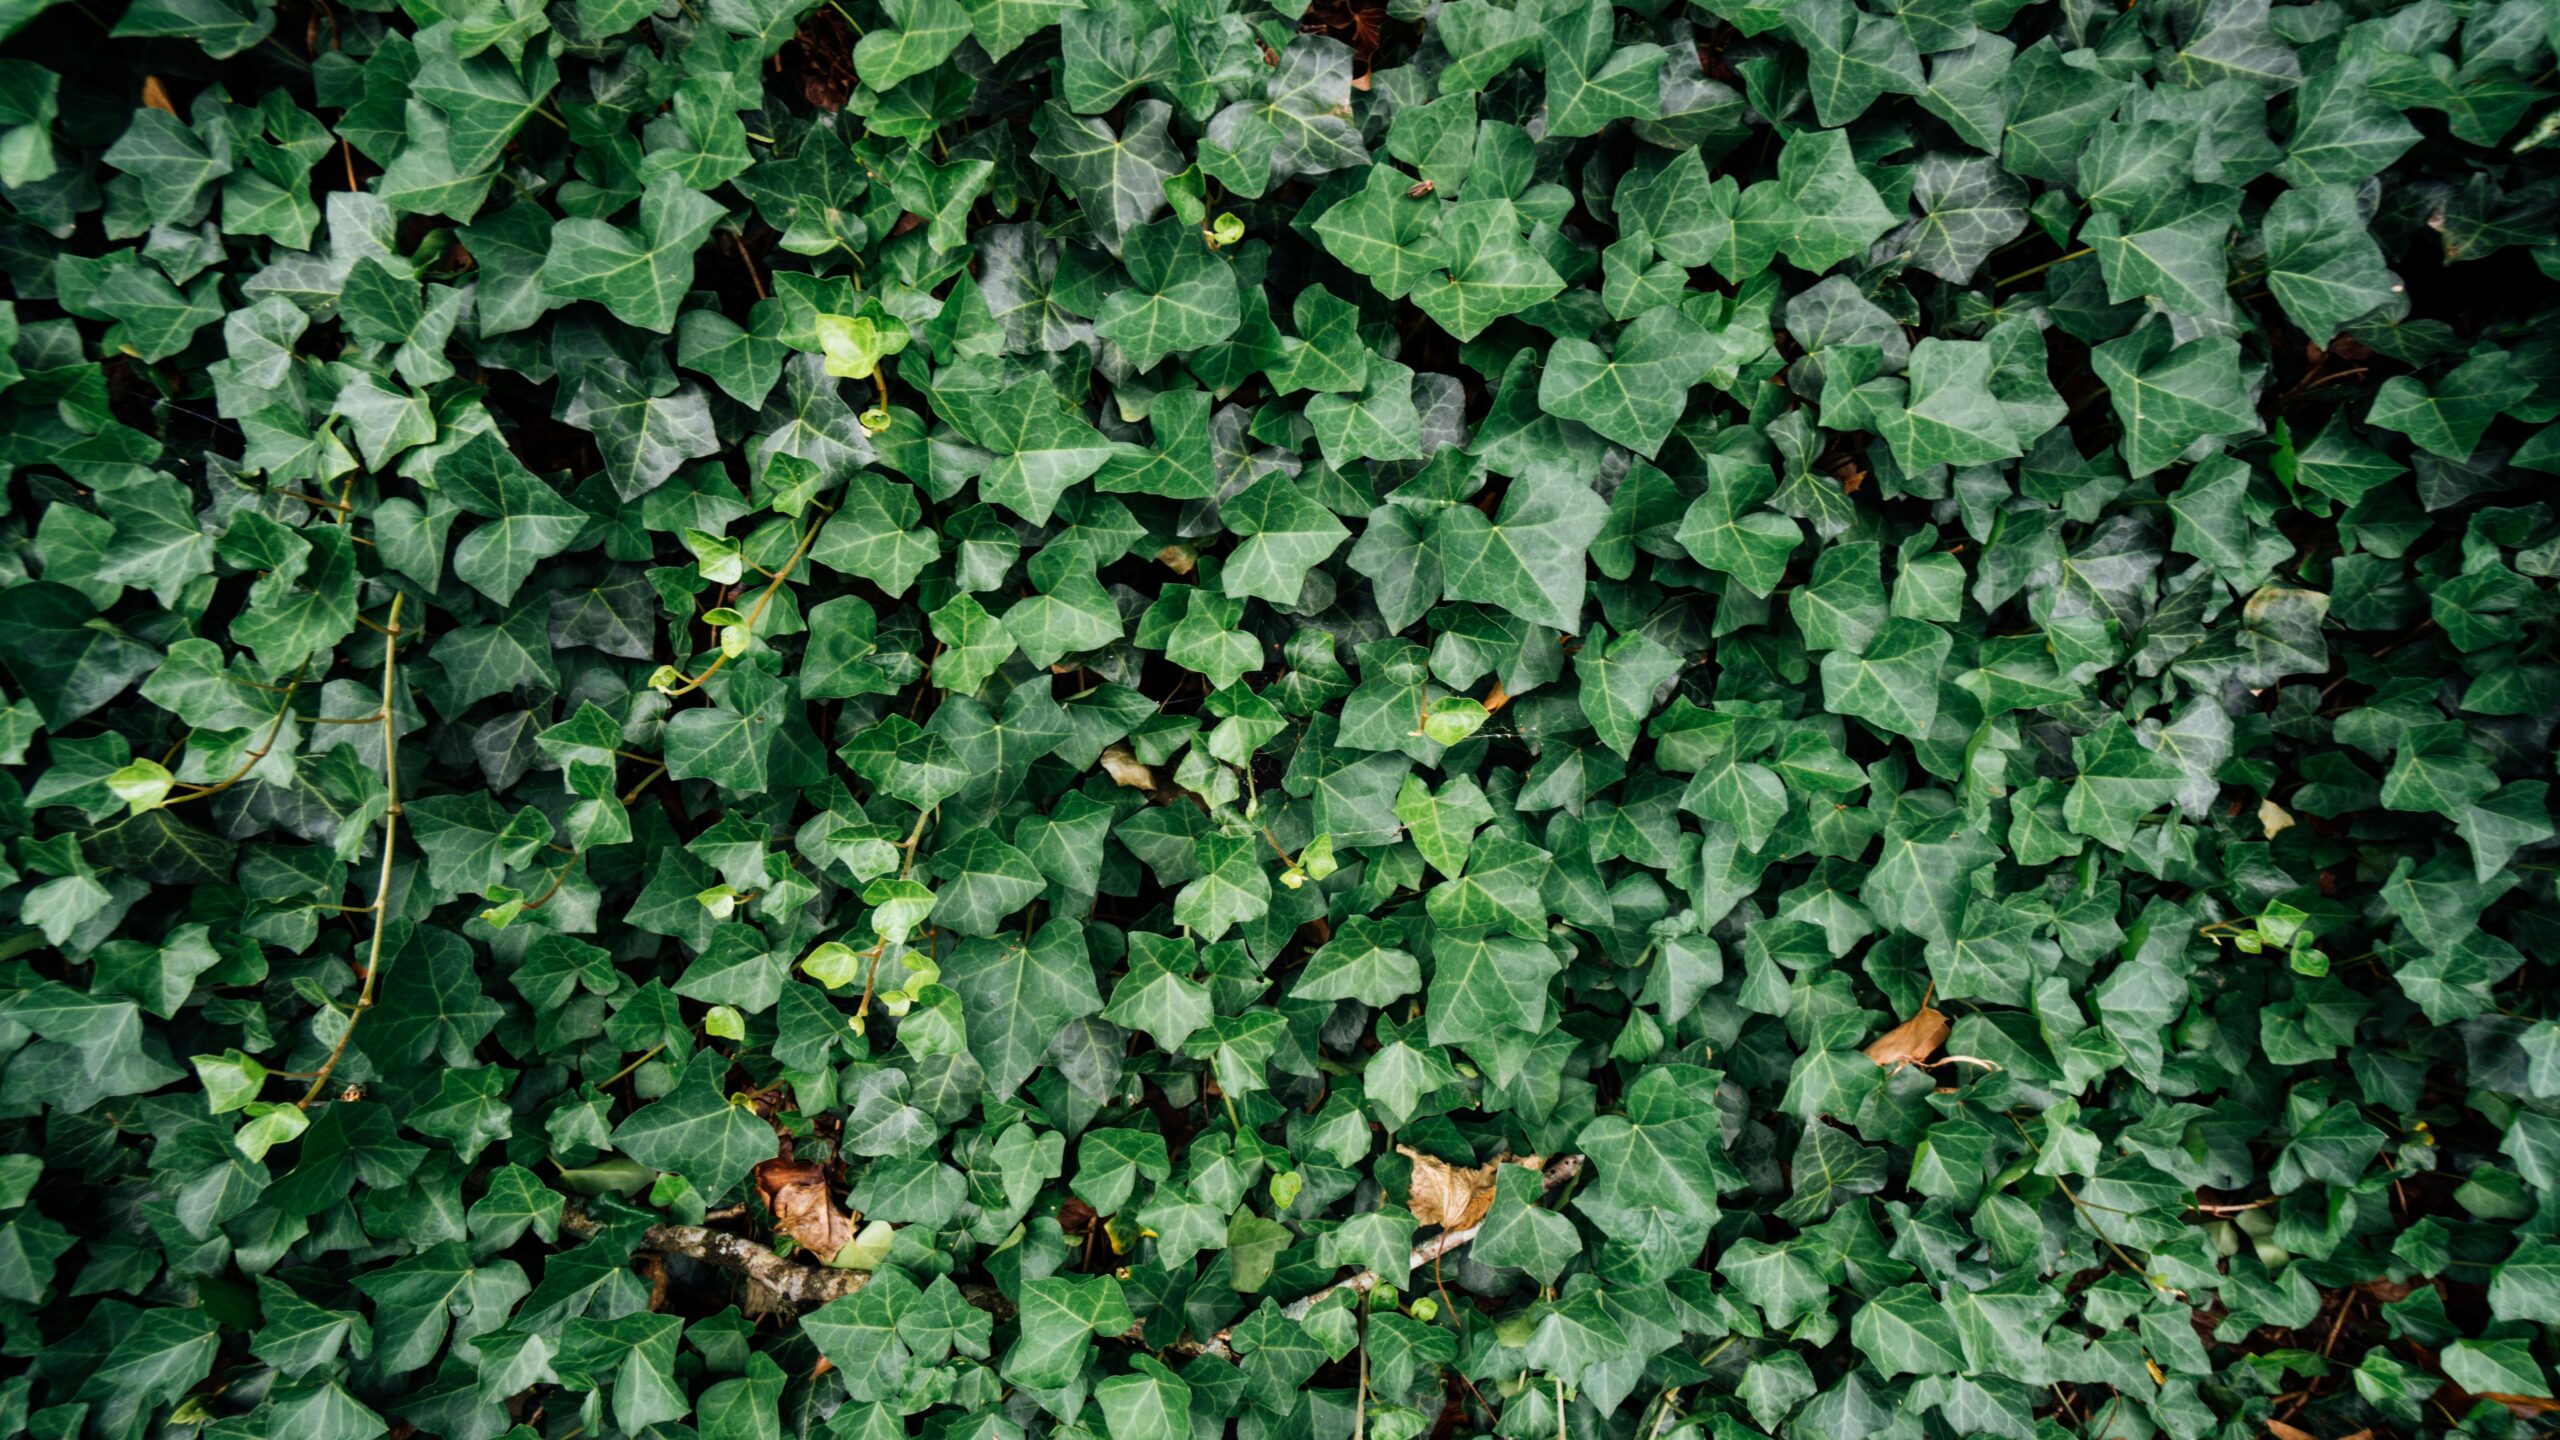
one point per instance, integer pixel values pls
(1916, 640)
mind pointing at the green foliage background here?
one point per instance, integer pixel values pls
(1120, 622)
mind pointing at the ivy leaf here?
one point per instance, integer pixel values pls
(1528, 561)
(1231, 888)
(1951, 414)
(1500, 888)
(1159, 994)
(1620, 681)
(1059, 1317)
(2119, 782)
(640, 277)
(698, 1131)
(1852, 57)
(1365, 961)
(1892, 684)
(1904, 1331)
(1519, 1234)
(2322, 265)
(1041, 448)
(66, 664)
(1660, 1165)
(1486, 986)
(1180, 296)
(1837, 210)
(874, 534)
(1150, 1404)
(1385, 233)
(643, 438)
(1635, 394)
(1286, 535)
(926, 33)
(2449, 416)
(2169, 396)
(1969, 208)
(1019, 993)
(1118, 176)
(1491, 271)
(528, 522)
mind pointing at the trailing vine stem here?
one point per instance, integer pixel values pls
(381, 906)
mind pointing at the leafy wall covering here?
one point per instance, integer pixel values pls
(998, 719)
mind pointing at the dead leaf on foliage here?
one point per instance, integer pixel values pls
(1125, 770)
(1442, 1194)
(2274, 818)
(2281, 1431)
(796, 1192)
(1912, 1042)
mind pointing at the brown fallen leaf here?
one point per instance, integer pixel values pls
(1912, 1042)
(2274, 818)
(156, 95)
(1452, 1198)
(2281, 1431)
(1126, 770)
(1180, 559)
(796, 1192)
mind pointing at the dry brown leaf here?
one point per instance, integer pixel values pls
(2281, 1431)
(2274, 818)
(1442, 1194)
(1125, 770)
(1912, 1042)
(1180, 559)
(796, 1192)
(156, 95)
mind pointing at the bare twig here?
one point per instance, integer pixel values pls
(390, 831)
(693, 683)
(284, 711)
(781, 1282)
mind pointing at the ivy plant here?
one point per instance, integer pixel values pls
(1097, 720)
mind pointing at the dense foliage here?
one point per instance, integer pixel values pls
(1089, 718)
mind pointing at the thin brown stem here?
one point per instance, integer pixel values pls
(739, 242)
(871, 978)
(557, 881)
(634, 792)
(645, 1057)
(390, 833)
(806, 537)
(283, 712)
(2005, 281)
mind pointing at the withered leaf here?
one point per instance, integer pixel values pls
(1452, 1198)
(1912, 1042)
(1126, 770)
(796, 1192)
